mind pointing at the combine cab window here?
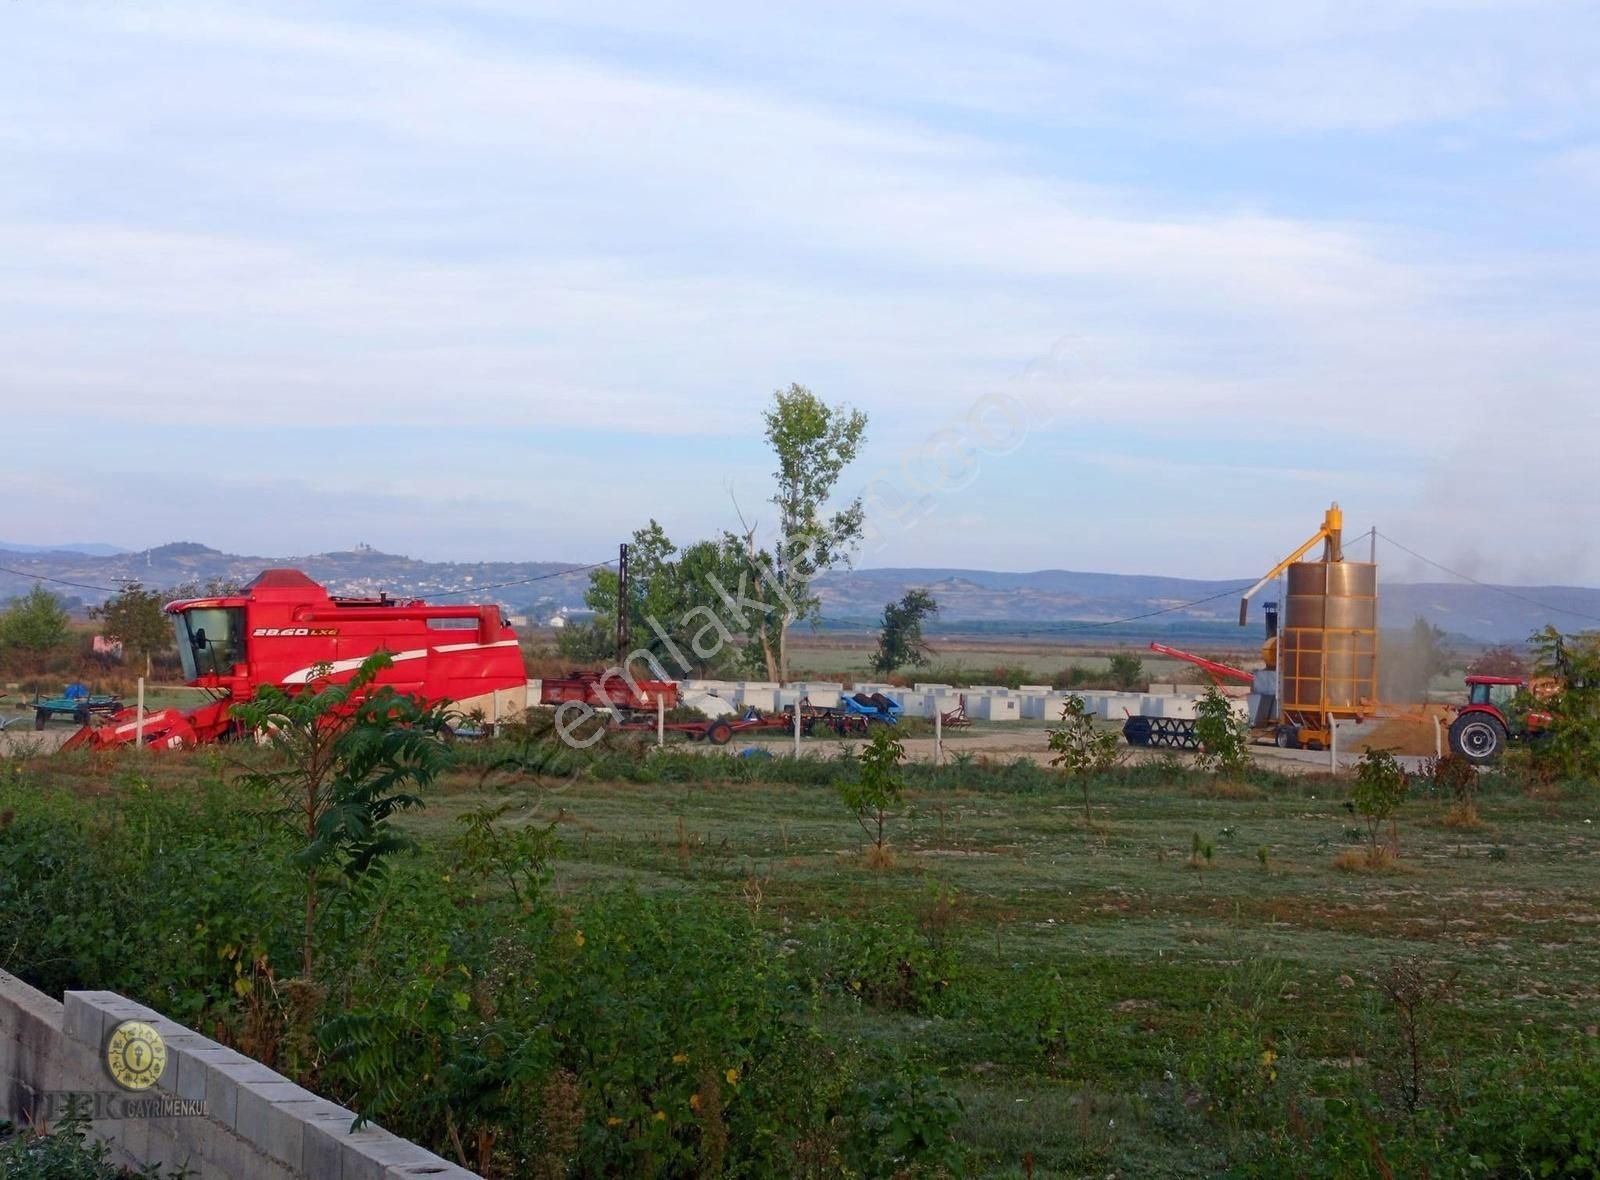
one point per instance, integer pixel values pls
(210, 641)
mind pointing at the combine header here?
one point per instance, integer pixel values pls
(284, 629)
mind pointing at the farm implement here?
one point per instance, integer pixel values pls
(80, 708)
(285, 630)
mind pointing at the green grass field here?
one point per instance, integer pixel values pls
(1168, 985)
(1147, 947)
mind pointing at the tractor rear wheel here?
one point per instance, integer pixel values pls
(1477, 737)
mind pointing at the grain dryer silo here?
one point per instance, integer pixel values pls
(1324, 656)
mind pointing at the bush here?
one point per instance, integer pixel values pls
(66, 1154)
(1379, 790)
(1224, 735)
(885, 963)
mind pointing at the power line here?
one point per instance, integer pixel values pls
(1166, 610)
(577, 569)
(58, 581)
(1489, 585)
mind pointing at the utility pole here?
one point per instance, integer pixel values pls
(622, 606)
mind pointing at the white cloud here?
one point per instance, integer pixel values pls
(381, 216)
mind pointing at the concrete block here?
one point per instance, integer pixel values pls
(227, 1154)
(871, 686)
(1035, 689)
(985, 707)
(1046, 706)
(223, 1081)
(271, 1115)
(765, 699)
(821, 696)
(443, 1170)
(370, 1154)
(935, 688)
(163, 1148)
(319, 1143)
(914, 704)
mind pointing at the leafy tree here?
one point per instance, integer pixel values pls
(135, 618)
(1126, 670)
(1379, 790)
(35, 624)
(1081, 750)
(674, 607)
(1566, 687)
(1223, 734)
(348, 757)
(1500, 660)
(877, 787)
(900, 640)
(813, 443)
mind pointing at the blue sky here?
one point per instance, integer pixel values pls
(504, 279)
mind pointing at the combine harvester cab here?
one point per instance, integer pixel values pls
(284, 629)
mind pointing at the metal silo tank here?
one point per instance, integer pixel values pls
(1329, 659)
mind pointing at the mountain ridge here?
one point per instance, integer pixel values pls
(1478, 612)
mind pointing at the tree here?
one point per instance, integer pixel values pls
(1081, 750)
(135, 618)
(1223, 733)
(813, 443)
(1566, 686)
(1126, 670)
(876, 788)
(675, 611)
(900, 640)
(1380, 789)
(1500, 660)
(348, 758)
(1411, 661)
(35, 624)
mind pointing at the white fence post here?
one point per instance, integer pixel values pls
(138, 728)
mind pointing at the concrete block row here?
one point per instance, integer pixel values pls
(257, 1124)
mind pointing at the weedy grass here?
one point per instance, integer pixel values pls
(1095, 1004)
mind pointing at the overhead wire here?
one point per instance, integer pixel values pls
(58, 581)
(1507, 591)
(577, 569)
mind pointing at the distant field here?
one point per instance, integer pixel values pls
(833, 657)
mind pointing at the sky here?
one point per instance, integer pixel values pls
(1137, 288)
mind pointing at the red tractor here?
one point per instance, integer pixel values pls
(284, 629)
(1486, 724)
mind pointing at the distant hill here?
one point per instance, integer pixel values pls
(1044, 601)
(89, 548)
(1478, 613)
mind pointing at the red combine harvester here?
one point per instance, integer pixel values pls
(283, 627)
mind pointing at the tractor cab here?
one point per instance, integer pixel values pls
(1495, 691)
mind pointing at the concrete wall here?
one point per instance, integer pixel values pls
(257, 1124)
